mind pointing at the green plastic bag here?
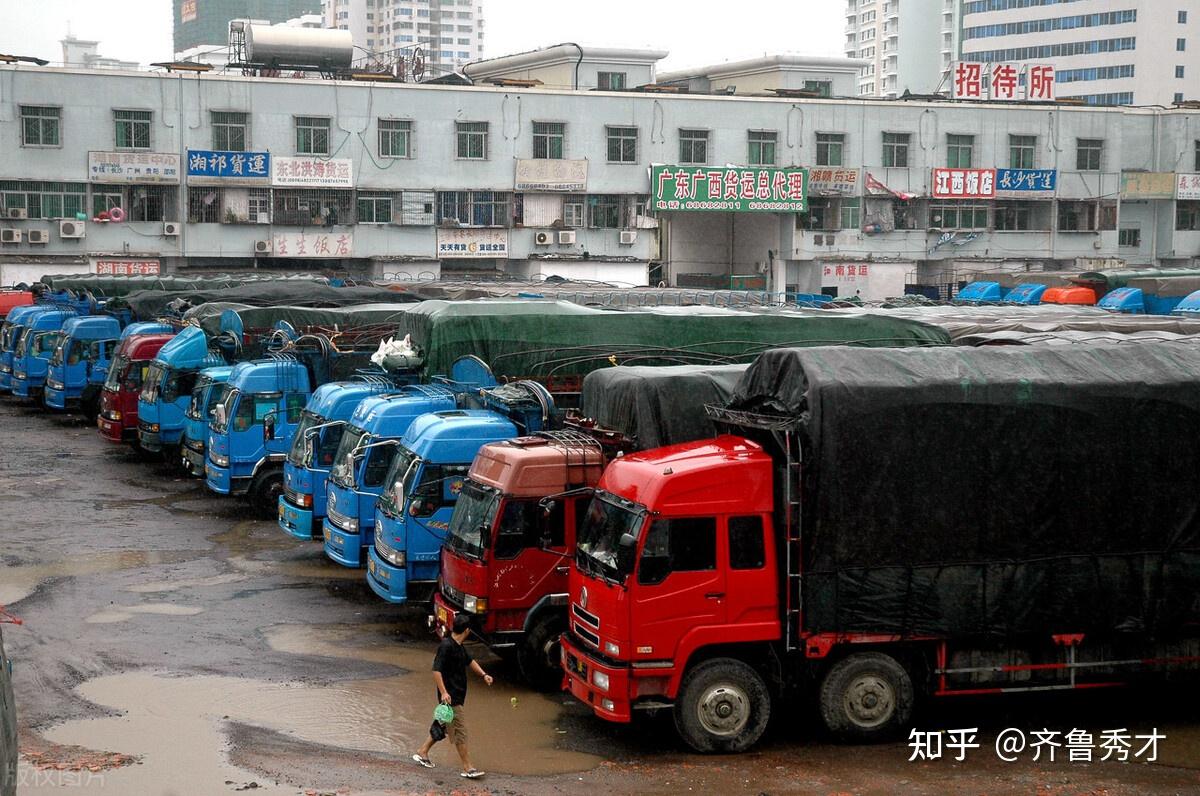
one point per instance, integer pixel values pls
(443, 714)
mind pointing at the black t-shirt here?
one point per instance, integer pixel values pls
(452, 660)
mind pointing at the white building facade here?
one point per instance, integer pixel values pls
(178, 172)
(449, 33)
(909, 45)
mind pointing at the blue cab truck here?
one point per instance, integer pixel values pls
(318, 435)
(206, 392)
(31, 357)
(167, 388)
(15, 324)
(1151, 296)
(412, 514)
(364, 455)
(80, 363)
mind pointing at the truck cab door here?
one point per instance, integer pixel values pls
(525, 572)
(751, 583)
(678, 584)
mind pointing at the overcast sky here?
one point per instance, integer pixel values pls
(140, 30)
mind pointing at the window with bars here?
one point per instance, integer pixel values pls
(475, 208)
(762, 147)
(1019, 216)
(229, 131)
(132, 129)
(375, 207)
(44, 199)
(1089, 154)
(548, 140)
(105, 199)
(395, 138)
(621, 144)
(312, 135)
(208, 205)
(1087, 216)
(693, 147)
(1130, 237)
(312, 207)
(41, 126)
(144, 202)
(472, 140)
(604, 212)
(895, 150)
(958, 215)
(960, 151)
(831, 214)
(1022, 151)
(1196, 164)
(573, 211)
(831, 149)
(1187, 216)
(610, 81)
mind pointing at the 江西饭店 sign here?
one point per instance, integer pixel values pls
(964, 184)
(734, 190)
(472, 243)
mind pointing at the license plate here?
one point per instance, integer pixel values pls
(577, 666)
(442, 616)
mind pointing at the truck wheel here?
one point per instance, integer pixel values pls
(90, 406)
(723, 706)
(264, 493)
(538, 655)
(867, 696)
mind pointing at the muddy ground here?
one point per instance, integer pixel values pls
(173, 645)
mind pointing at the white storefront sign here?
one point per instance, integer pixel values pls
(314, 244)
(551, 175)
(291, 172)
(472, 243)
(133, 167)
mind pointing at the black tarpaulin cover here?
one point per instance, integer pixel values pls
(149, 304)
(659, 406)
(994, 492)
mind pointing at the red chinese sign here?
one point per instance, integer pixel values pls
(128, 267)
(844, 273)
(968, 80)
(1040, 80)
(1003, 82)
(964, 183)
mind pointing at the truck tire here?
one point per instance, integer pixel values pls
(89, 404)
(867, 696)
(723, 706)
(264, 493)
(538, 656)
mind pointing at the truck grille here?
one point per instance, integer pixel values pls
(337, 518)
(587, 635)
(291, 496)
(452, 594)
(587, 617)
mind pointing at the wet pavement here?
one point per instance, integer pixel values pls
(173, 646)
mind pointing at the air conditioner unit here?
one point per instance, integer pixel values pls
(39, 236)
(10, 236)
(19, 213)
(566, 237)
(71, 229)
(171, 229)
(263, 247)
(542, 238)
(628, 237)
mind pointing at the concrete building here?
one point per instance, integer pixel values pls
(823, 77)
(1106, 52)
(909, 45)
(122, 170)
(86, 53)
(205, 23)
(449, 33)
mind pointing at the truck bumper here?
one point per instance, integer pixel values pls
(111, 430)
(344, 547)
(25, 388)
(150, 440)
(295, 521)
(59, 399)
(388, 581)
(221, 481)
(193, 460)
(612, 704)
(5, 379)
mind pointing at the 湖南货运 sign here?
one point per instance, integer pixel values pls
(737, 190)
(128, 267)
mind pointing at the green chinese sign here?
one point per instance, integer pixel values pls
(735, 190)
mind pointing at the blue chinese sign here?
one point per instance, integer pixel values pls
(229, 165)
(1024, 182)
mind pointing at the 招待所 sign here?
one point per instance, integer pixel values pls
(736, 190)
(229, 165)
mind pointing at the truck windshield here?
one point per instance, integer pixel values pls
(598, 542)
(112, 379)
(405, 465)
(474, 515)
(342, 473)
(154, 378)
(9, 338)
(199, 398)
(46, 343)
(23, 338)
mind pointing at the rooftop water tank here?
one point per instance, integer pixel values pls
(280, 45)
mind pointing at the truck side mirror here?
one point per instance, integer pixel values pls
(484, 532)
(626, 550)
(268, 428)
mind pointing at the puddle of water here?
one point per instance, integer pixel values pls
(123, 613)
(159, 587)
(17, 583)
(253, 536)
(304, 568)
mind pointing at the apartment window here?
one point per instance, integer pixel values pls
(312, 207)
(1089, 154)
(1187, 216)
(831, 214)
(622, 144)
(830, 149)
(1087, 216)
(41, 125)
(395, 138)
(1013, 216)
(472, 140)
(1129, 237)
(693, 146)
(312, 135)
(610, 81)
(106, 199)
(604, 212)
(229, 131)
(573, 211)
(548, 140)
(1179, 71)
(1196, 157)
(132, 129)
(475, 208)
(1181, 45)
(1178, 97)
(1182, 17)
(958, 216)
(762, 147)
(44, 199)
(822, 88)
(960, 151)
(1021, 151)
(374, 208)
(895, 150)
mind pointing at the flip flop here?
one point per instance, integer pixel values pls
(472, 774)
(422, 761)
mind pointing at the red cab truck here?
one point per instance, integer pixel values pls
(118, 418)
(866, 542)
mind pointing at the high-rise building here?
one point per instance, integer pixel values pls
(1105, 52)
(205, 23)
(910, 45)
(449, 33)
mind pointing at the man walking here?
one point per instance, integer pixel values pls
(450, 666)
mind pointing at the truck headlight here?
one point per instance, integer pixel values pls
(473, 604)
(304, 500)
(152, 428)
(600, 680)
(54, 384)
(608, 705)
(612, 649)
(218, 459)
(114, 415)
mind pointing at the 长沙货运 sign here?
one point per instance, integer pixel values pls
(732, 189)
(1026, 182)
